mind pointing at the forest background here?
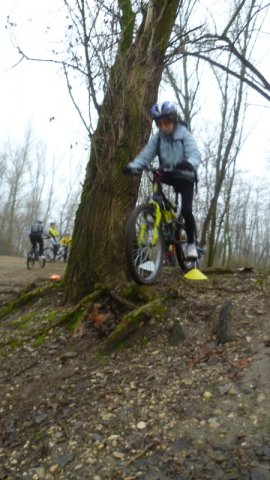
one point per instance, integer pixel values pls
(50, 110)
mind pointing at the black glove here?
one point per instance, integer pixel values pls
(185, 166)
(127, 170)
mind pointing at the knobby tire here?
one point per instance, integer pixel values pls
(144, 260)
(180, 248)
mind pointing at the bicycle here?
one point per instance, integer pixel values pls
(152, 226)
(60, 255)
(33, 258)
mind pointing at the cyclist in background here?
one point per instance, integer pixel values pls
(53, 234)
(66, 242)
(177, 150)
(36, 236)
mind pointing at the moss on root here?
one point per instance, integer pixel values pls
(26, 296)
(136, 292)
(74, 314)
(131, 321)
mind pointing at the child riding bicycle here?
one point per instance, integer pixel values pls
(177, 150)
(53, 234)
(36, 236)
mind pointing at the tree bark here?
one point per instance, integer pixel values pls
(123, 128)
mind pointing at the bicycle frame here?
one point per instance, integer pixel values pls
(162, 214)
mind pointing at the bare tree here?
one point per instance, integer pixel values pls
(123, 127)
(231, 131)
(15, 181)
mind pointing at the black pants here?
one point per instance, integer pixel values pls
(37, 239)
(186, 190)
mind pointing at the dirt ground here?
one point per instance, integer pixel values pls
(13, 271)
(186, 397)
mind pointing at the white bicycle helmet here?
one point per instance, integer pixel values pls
(163, 110)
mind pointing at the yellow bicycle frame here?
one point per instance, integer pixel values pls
(166, 214)
(158, 217)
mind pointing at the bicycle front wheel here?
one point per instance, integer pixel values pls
(143, 245)
(42, 262)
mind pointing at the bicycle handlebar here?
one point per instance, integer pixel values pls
(137, 171)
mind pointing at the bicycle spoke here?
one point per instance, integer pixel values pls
(143, 245)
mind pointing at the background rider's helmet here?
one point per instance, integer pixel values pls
(164, 110)
(52, 224)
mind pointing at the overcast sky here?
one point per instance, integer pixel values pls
(35, 92)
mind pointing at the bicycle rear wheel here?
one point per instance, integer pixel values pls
(144, 256)
(180, 248)
(30, 262)
(49, 255)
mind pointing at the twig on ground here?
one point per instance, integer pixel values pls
(140, 454)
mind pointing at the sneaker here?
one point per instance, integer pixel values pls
(42, 257)
(191, 251)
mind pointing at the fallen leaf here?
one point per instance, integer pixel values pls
(242, 363)
(98, 317)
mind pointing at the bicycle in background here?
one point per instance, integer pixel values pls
(34, 258)
(60, 256)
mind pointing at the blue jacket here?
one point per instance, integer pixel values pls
(172, 149)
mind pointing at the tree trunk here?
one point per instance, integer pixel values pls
(124, 125)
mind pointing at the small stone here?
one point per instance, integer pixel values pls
(214, 424)
(49, 476)
(118, 455)
(113, 437)
(78, 424)
(261, 397)
(54, 468)
(107, 416)
(254, 419)
(141, 425)
(219, 457)
(225, 388)
(40, 472)
(67, 355)
(207, 395)
(40, 418)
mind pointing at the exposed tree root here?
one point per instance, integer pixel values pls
(131, 321)
(27, 295)
(79, 311)
(131, 315)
